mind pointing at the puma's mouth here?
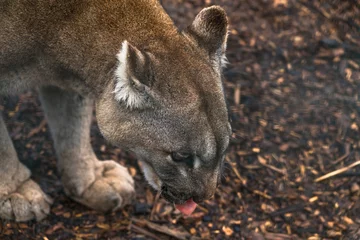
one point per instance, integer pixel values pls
(187, 208)
(183, 202)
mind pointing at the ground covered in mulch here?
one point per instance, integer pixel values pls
(293, 87)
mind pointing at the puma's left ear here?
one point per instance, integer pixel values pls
(132, 77)
(210, 31)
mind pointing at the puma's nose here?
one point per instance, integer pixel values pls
(175, 196)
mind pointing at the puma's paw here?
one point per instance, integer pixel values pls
(111, 189)
(26, 203)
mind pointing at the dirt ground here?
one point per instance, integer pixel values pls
(293, 87)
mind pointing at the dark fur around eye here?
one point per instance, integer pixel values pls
(186, 158)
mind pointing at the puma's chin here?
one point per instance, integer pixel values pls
(151, 176)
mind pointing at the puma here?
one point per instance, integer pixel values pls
(157, 92)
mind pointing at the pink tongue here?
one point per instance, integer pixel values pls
(187, 208)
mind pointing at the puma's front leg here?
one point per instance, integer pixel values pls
(21, 199)
(101, 185)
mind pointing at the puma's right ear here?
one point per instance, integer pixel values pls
(210, 31)
(131, 74)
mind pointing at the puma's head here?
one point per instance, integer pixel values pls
(167, 105)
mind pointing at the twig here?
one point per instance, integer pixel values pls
(276, 236)
(54, 228)
(203, 209)
(182, 235)
(347, 152)
(243, 181)
(237, 94)
(292, 208)
(37, 129)
(336, 172)
(156, 200)
(348, 174)
(143, 231)
(262, 161)
(262, 194)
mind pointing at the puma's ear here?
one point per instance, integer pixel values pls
(132, 81)
(210, 31)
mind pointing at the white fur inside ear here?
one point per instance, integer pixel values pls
(220, 62)
(124, 90)
(224, 61)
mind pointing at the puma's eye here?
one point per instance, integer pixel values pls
(186, 158)
(179, 157)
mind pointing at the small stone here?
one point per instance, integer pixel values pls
(330, 42)
(355, 188)
(228, 231)
(207, 218)
(298, 41)
(256, 150)
(244, 218)
(237, 228)
(355, 127)
(284, 147)
(142, 208)
(193, 231)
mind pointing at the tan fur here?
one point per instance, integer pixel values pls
(162, 95)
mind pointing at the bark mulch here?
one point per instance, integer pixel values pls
(293, 167)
